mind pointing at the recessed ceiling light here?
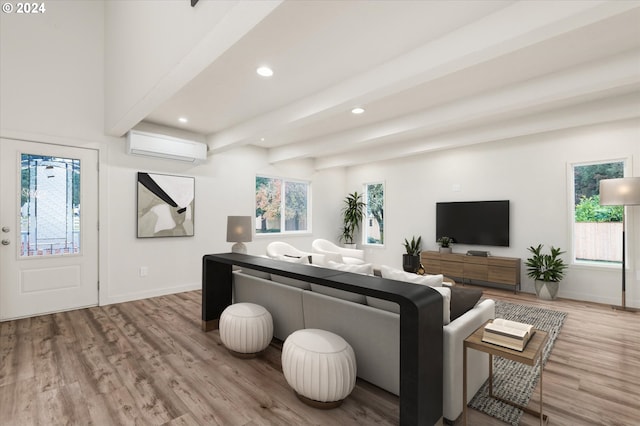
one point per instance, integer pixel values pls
(357, 110)
(183, 119)
(265, 71)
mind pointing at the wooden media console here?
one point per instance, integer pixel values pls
(490, 269)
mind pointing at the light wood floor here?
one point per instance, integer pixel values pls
(147, 362)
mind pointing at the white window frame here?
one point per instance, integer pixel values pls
(365, 192)
(283, 230)
(627, 167)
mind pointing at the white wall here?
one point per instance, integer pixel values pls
(225, 186)
(52, 85)
(51, 72)
(531, 172)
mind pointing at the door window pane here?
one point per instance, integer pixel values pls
(49, 205)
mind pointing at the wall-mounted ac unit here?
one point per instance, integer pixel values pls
(162, 146)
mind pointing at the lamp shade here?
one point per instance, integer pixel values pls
(238, 229)
(620, 192)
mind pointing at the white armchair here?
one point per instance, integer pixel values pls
(277, 249)
(284, 251)
(336, 253)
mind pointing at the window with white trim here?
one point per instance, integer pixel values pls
(373, 229)
(282, 205)
(597, 230)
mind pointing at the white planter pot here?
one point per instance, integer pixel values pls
(547, 290)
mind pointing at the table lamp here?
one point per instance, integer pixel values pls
(239, 232)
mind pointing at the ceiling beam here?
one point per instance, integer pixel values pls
(590, 113)
(547, 92)
(495, 35)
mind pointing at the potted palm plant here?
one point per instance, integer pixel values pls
(411, 260)
(352, 214)
(547, 270)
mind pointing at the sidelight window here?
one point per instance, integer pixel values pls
(373, 231)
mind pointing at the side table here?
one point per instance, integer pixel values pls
(531, 354)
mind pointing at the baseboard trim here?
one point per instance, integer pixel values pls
(150, 293)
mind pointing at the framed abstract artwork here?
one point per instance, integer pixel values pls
(165, 205)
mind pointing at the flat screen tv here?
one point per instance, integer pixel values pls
(474, 222)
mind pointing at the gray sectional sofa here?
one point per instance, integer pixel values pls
(372, 331)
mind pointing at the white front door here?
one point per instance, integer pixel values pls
(48, 228)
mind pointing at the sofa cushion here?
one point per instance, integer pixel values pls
(290, 281)
(399, 275)
(339, 294)
(387, 305)
(365, 268)
(255, 273)
(463, 299)
(283, 302)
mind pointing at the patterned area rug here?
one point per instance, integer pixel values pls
(512, 380)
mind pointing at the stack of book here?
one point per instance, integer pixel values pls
(510, 334)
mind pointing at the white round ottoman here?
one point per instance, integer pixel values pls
(320, 366)
(246, 329)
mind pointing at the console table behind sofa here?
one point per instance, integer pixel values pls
(421, 341)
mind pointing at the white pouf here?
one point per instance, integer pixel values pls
(246, 329)
(320, 366)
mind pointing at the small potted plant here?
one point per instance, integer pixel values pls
(352, 214)
(445, 244)
(547, 270)
(411, 260)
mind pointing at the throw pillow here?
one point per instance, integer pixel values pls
(463, 300)
(399, 275)
(365, 268)
(317, 259)
(332, 257)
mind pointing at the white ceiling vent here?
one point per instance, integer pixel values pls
(162, 146)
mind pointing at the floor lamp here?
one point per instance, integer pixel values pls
(621, 192)
(239, 232)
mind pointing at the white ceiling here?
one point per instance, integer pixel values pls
(430, 74)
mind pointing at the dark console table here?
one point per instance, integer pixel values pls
(421, 341)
